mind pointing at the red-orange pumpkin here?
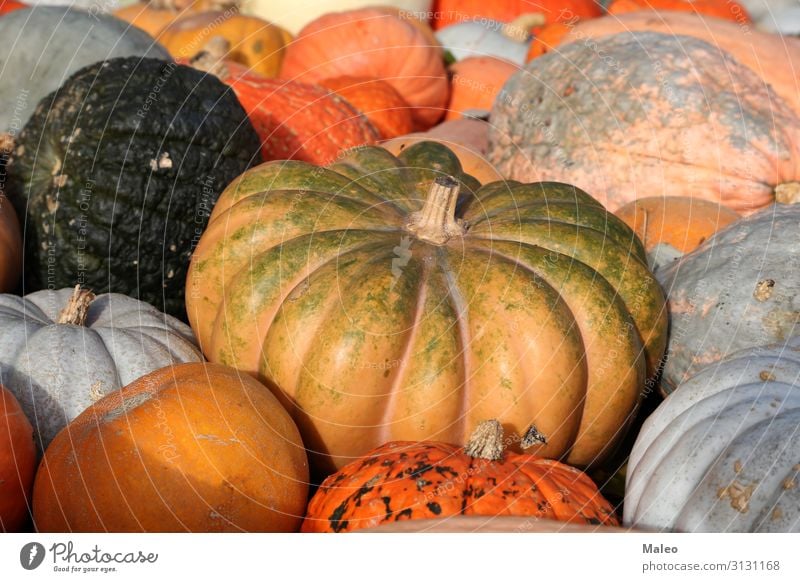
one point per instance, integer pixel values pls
(449, 12)
(475, 83)
(377, 44)
(724, 9)
(10, 5)
(409, 481)
(377, 100)
(193, 447)
(17, 463)
(10, 246)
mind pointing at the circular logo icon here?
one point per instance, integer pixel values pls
(31, 555)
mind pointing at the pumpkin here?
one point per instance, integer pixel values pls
(774, 59)
(402, 481)
(461, 303)
(295, 121)
(674, 225)
(377, 100)
(153, 16)
(7, 6)
(468, 138)
(293, 15)
(736, 290)
(194, 447)
(475, 83)
(32, 62)
(10, 246)
(483, 39)
(127, 225)
(17, 463)
(451, 12)
(376, 44)
(724, 9)
(548, 37)
(257, 44)
(720, 454)
(626, 135)
(490, 524)
(63, 350)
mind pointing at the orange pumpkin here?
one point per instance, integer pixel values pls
(10, 5)
(10, 247)
(17, 463)
(549, 37)
(192, 447)
(724, 9)
(376, 44)
(454, 11)
(378, 101)
(153, 16)
(254, 43)
(467, 138)
(682, 222)
(403, 481)
(475, 83)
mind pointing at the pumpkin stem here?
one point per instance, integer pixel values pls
(212, 58)
(77, 309)
(436, 222)
(486, 441)
(519, 29)
(787, 193)
(532, 438)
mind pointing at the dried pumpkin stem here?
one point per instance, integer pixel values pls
(77, 308)
(436, 222)
(519, 29)
(486, 441)
(787, 193)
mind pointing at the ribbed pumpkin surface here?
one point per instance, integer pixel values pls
(309, 278)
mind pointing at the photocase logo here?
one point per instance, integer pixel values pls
(32, 555)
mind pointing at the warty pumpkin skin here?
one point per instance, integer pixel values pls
(193, 447)
(373, 43)
(720, 454)
(32, 62)
(680, 119)
(60, 351)
(10, 245)
(402, 481)
(332, 284)
(139, 150)
(17, 463)
(739, 289)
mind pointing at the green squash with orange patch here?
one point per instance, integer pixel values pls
(394, 298)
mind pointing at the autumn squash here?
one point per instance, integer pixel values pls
(35, 42)
(293, 15)
(17, 463)
(737, 290)
(674, 223)
(467, 137)
(7, 6)
(548, 37)
(616, 127)
(63, 350)
(391, 298)
(450, 12)
(380, 103)
(153, 16)
(774, 59)
(376, 44)
(192, 447)
(255, 43)
(127, 225)
(720, 454)
(475, 83)
(10, 246)
(295, 121)
(491, 524)
(402, 481)
(724, 9)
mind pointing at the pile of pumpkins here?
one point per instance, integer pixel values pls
(410, 266)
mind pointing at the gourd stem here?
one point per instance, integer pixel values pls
(486, 441)
(436, 222)
(212, 58)
(77, 308)
(519, 29)
(787, 193)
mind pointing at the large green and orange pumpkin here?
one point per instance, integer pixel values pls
(394, 298)
(407, 481)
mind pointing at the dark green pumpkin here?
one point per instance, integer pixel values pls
(116, 174)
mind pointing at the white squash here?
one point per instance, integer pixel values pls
(722, 452)
(480, 38)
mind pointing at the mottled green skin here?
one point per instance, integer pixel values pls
(308, 278)
(102, 207)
